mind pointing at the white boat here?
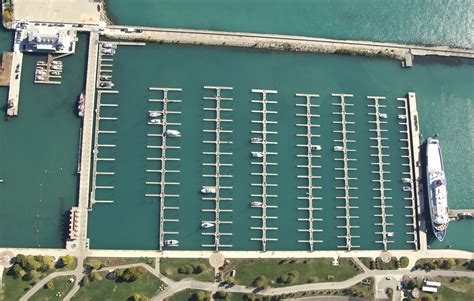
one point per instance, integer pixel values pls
(256, 154)
(315, 147)
(56, 67)
(56, 62)
(402, 117)
(256, 139)
(55, 73)
(171, 243)
(390, 234)
(338, 148)
(256, 204)
(154, 113)
(39, 77)
(207, 225)
(156, 121)
(436, 189)
(173, 133)
(109, 45)
(208, 190)
(406, 180)
(81, 105)
(407, 188)
(383, 115)
(40, 72)
(41, 62)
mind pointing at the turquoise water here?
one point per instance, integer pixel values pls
(38, 156)
(190, 68)
(445, 22)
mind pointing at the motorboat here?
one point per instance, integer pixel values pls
(383, 115)
(154, 113)
(56, 62)
(55, 73)
(173, 133)
(109, 45)
(39, 77)
(315, 147)
(402, 117)
(156, 121)
(41, 62)
(106, 84)
(105, 78)
(208, 190)
(56, 67)
(256, 154)
(207, 225)
(406, 180)
(40, 72)
(406, 188)
(256, 204)
(390, 234)
(81, 105)
(256, 139)
(171, 243)
(338, 148)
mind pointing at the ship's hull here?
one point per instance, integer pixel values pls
(434, 165)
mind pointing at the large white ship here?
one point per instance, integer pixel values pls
(436, 189)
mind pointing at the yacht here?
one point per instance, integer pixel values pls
(56, 62)
(390, 234)
(41, 62)
(256, 154)
(383, 115)
(173, 133)
(338, 148)
(256, 139)
(171, 243)
(208, 190)
(40, 72)
(39, 77)
(154, 113)
(207, 225)
(406, 180)
(256, 204)
(315, 147)
(56, 67)
(81, 105)
(156, 121)
(105, 78)
(55, 73)
(402, 117)
(109, 45)
(436, 187)
(406, 188)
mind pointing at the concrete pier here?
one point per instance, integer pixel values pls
(82, 242)
(15, 78)
(416, 165)
(283, 42)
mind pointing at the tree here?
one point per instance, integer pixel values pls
(94, 264)
(427, 298)
(138, 297)
(223, 296)
(49, 285)
(260, 282)
(201, 296)
(470, 265)
(411, 284)
(445, 265)
(404, 261)
(32, 275)
(21, 260)
(451, 262)
(96, 276)
(32, 264)
(187, 269)
(119, 273)
(18, 271)
(85, 281)
(198, 269)
(231, 281)
(66, 260)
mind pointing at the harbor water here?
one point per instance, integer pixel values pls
(435, 22)
(45, 136)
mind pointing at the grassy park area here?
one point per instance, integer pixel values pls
(282, 272)
(178, 269)
(28, 270)
(105, 289)
(445, 263)
(59, 288)
(115, 261)
(195, 295)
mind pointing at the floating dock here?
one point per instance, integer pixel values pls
(265, 195)
(220, 175)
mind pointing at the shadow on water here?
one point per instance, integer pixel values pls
(438, 60)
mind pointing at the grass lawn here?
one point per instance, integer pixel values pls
(169, 268)
(13, 288)
(106, 289)
(60, 285)
(462, 289)
(187, 295)
(114, 261)
(309, 270)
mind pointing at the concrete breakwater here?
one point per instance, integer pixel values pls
(404, 53)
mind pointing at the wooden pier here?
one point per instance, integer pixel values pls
(380, 171)
(220, 175)
(166, 114)
(264, 135)
(311, 153)
(408, 169)
(343, 144)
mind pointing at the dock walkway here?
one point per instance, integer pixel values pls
(164, 148)
(264, 140)
(15, 79)
(311, 152)
(220, 175)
